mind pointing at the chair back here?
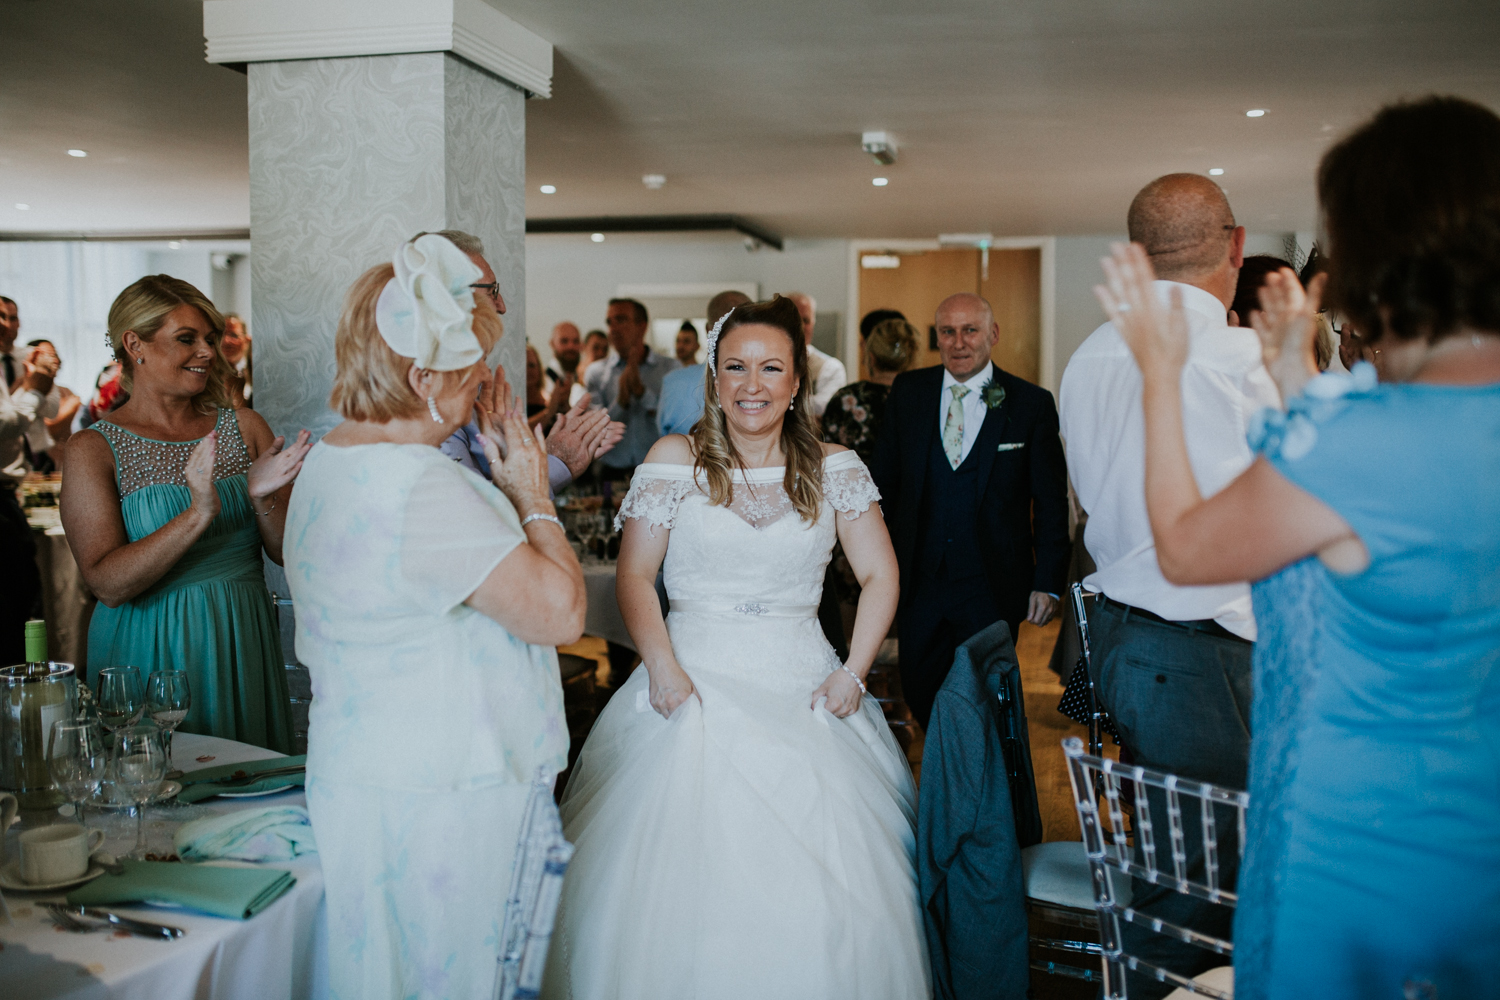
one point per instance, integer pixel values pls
(1095, 777)
(542, 857)
(1086, 664)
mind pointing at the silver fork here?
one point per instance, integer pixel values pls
(67, 921)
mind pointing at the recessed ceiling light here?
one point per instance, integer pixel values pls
(597, 237)
(1215, 171)
(549, 189)
(78, 152)
(654, 182)
(174, 245)
(880, 182)
(22, 207)
(1256, 113)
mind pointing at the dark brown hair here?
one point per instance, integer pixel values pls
(1252, 275)
(801, 443)
(1411, 206)
(635, 306)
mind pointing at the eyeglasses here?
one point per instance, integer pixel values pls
(492, 289)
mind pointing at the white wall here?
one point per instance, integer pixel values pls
(568, 277)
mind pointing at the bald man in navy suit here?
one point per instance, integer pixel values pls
(974, 489)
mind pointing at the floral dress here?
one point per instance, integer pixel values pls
(853, 417)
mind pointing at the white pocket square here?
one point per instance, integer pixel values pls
(1012, 446)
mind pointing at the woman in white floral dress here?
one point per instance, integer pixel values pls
(744, 821)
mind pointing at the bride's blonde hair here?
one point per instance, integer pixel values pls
(715, 455)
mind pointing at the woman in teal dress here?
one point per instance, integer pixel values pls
(168, 505)
(1372, 519)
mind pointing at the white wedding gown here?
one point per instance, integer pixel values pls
(750, 846)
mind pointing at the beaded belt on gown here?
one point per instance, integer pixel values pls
(749, 609)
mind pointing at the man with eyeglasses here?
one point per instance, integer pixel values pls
(577, 437)
(1172, 663)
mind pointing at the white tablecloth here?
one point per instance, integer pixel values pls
(603, 618)
(279, 953)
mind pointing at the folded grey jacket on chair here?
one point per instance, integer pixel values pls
(968, 847)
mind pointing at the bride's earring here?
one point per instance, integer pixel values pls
(437, 417)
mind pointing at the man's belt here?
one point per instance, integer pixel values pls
(1206, 626)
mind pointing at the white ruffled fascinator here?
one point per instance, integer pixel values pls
(426, 312)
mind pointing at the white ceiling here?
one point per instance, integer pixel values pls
(1021, 117)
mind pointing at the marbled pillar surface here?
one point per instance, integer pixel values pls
(348, 157)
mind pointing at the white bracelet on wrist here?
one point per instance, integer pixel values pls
(543, 517)
(862, 688)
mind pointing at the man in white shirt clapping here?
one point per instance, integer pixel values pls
(1172, 663)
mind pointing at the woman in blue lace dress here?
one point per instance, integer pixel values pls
(1373, 860)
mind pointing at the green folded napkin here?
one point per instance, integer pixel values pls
(211, 781)
(237, 893)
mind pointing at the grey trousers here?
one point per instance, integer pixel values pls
(1180, 700)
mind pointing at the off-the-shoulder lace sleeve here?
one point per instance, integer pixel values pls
(654, 498)
(847, 484)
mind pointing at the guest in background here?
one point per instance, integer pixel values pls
(687, 344)
(567, 349)
(826, 371)
(429, 603)
(855, 411)
(23, 388)
(630, 385)
(1326, 337)
(575, 439)
(236, 348)
(1374, 822)
(168, 506)
(48, 434)
(874, 318)
(1172, 662)
(537, 411)
(971, 473)
(108, 395)
(1252, 278)
(682, 390)
(595, 348)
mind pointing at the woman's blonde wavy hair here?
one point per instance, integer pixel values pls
(144, 307)
(714, 453)
(369, 382)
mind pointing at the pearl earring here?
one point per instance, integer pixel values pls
(437, 417)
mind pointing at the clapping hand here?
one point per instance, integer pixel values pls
(1157, 335)
(277, 466)
(582, 435)
(842, 692)
(200, 477)
(1287, 323)
(521, 471)
(40, 372)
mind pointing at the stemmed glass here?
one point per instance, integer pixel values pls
(140, 764)
(168, 699)
(586, 526)
(78, 760)
(121, 698)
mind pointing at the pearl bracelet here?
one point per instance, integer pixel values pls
(542, 517)
(862, 688)
(267, 513)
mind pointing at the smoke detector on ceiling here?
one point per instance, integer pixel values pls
(654, 182)
(880, 145)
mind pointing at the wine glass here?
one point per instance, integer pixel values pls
(77, 759)
(586, 525)
(168, 699)
(140, 764)
(121, 698)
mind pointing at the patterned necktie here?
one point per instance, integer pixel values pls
(953, 427)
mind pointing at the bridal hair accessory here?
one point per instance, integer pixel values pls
(713, 341)
(862, 688)
(426, 312)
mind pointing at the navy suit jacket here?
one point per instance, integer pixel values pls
(1022, 527)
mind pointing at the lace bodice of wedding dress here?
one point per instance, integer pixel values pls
(755, 552)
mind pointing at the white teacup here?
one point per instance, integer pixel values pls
(57, 853)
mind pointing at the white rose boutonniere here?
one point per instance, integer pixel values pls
(993, 395)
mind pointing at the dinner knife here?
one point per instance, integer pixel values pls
(141, 927)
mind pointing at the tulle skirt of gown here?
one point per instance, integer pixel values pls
(750, 846)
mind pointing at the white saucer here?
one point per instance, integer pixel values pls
(10, 878)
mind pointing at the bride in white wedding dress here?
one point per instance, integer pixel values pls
(744, 821)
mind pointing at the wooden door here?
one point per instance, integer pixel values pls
(925, 278)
